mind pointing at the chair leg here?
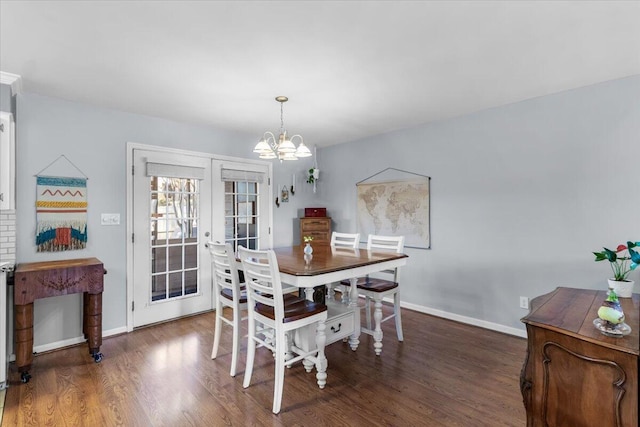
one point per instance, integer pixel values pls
(377, 333)
(321, 358)
(281, 351)
(288, 340)
(236, 340)
(251, 353)
(398, 316)
(218, 331)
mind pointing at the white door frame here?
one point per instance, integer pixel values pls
(131, 146)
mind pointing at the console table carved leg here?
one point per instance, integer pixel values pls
(24, 340)
(92, 325)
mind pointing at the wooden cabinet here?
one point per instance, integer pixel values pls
(318, 227)
(35, 280)
(574, 375)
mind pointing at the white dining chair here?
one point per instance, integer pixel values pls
(347, 241)
(377, 286)
(229, 293)
(267, 309)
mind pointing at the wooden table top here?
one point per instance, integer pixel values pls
(327, 259)
(572, 311)
(52, 265)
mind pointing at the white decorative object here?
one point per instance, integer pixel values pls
(623, 289)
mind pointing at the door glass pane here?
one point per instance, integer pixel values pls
(174, 242)
(241, 214)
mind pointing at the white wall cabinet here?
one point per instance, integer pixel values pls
(7, 161)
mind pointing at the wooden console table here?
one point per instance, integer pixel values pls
(574, 375)
(52, 278)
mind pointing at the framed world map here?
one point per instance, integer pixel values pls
(395, 208)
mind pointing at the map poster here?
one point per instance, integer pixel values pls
(395, 208)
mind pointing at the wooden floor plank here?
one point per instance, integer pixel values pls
(443, 374)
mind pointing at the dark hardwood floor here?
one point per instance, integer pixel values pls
(443, 374)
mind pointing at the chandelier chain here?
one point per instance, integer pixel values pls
(281, 117)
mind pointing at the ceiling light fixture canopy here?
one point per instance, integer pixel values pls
(282, 148)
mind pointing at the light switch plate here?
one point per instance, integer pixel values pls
(110, 219)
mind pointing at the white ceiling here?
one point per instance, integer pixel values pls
(350, 68)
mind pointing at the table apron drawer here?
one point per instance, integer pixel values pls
(340, 327)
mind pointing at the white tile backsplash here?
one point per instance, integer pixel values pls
(8, 236)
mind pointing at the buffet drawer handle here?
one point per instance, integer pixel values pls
(334, 330)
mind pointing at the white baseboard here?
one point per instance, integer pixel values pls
(419, 308)
(464, 319)
(72, 341)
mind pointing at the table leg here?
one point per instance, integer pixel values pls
(308, 294)
(24, 340)
(93, 324)
(321, 359)
(354, 340)
(85, 302)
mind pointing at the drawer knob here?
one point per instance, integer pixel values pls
(336, 330)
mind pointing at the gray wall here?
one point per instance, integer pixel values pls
(520, 197)
(94, 139)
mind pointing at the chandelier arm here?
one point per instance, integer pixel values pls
(271, 139)
(299, 136)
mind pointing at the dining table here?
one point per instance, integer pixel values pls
(329, 264)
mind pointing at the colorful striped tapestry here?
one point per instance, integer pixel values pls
(61, 210)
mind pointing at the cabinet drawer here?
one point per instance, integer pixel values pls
(315, 224)
(318, 236)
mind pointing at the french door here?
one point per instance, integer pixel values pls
(171, 223)
(180, 201)
(241, 193)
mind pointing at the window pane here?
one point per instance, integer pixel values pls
(175, 284)
(158, 260)
(191, 256)
(190, 282)
(158, 287)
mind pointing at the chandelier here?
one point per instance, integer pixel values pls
(282, 148)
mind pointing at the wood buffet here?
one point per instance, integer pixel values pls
(317, 227)
(52, 278)
(574, 375)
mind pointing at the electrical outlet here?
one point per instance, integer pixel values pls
(524, 302)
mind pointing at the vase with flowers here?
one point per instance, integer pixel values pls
(622, 260)
(308, 250)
